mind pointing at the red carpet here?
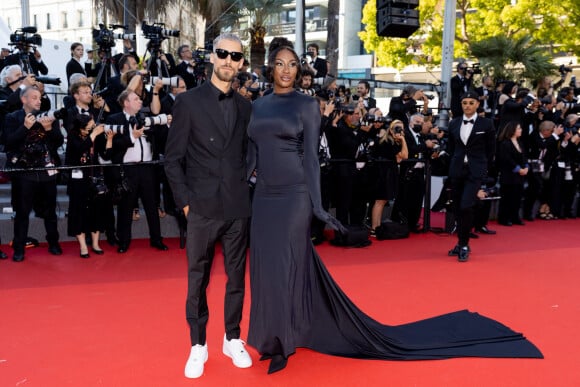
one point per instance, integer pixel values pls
(118, 320)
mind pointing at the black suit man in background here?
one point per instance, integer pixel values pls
(186, 68)
(135, 146)
(487, 96)
(32, 143)
(460, 84)
(471, 147)
(208, 137)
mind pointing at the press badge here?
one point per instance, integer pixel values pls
(77, 174)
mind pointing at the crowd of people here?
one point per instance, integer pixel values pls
(370, 159)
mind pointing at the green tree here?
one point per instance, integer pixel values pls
(547, 24)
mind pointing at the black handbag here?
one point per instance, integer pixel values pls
(356, 236)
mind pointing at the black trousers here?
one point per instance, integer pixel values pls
(28, 187)
(464, 192)
(409, 201)
(142, 180)
(202, 235)
(510, 203)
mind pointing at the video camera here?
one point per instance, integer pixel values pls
(105, 37)
(158, 32)
(25, 36)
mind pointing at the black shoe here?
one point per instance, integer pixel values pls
(112, 239)
(463, 255)
(485, 230)
(55, 249)
(277, 363)
(473, 235)
(97, 251)
(84, 255)
(159, 246)
(519, 223)
(529, 218)
(3, 255)
(455, 250)
(508, 224)
(18, 257)
(122, 249)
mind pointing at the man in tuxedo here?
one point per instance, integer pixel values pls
(487, 96)
(318, 66)
(363, 91)
(135, 146)
(471, 147)
(460, 84)
(205, 165)
(186, 68)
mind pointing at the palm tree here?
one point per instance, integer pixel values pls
(258, 12)
(517, 59)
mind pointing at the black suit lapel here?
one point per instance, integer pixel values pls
(211, 108)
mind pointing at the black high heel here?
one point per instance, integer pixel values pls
(277, 363)
(97, 251)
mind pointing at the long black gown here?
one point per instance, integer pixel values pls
(295, 301)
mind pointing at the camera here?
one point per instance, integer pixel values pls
(306, 58)
(143, 121)
(59, 114)
(114, 128)
(346, 109)
(105, 38)
(157, 31)
(430, 97)
(311, 92)
(398, 129)
(474, 69)
(173, 81)
(48, 80)
(25, 36)
(563, 69)
(371, 119)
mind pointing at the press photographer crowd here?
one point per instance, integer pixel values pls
(107, 142)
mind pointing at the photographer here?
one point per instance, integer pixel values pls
(115, 86)
(306, 86)
(460, 84)
(409, 201)
(318, 66)
(135, 147)
(389, 151)
(363, 90)
(86, 187)
(32, 142)
(487, 96)
(160, 64)
(345, 145)
(405, 105)
(32, 57)
(186, 68)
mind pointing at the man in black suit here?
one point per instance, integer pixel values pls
(33, 58)
(487, 96)
(471, 147)
(460, 84)
(205, 165)
(186, 68)
(32, 142)
(318, 66)
(363, 91)
(135, 146)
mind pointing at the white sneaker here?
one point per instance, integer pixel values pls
(235, 348)
(195, 362)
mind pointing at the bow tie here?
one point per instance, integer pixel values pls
(85, 111)
(223, 96)
(468, 121)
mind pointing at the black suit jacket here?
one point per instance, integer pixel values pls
(508, 159)
(189, 78)
(74, 67)
(458, 86)
(37, 67)
(480, 148)
(214, 181)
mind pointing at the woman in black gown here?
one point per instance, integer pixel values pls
(295, 301)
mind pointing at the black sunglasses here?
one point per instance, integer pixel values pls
(223, 54)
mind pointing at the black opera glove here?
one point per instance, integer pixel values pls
(330, 220)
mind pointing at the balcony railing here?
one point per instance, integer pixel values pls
(290, 28)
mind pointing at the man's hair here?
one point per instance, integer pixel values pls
(124, 60)
(181, 48)
(124, 96)
(307, 72)
(24, 92)
(547, 125)
(419, 115)
(74, 88)
(227, 36)
(367, 85)
(314, 45)
(6, 72)
(76, 77)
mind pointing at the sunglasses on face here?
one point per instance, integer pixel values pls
(223, 54)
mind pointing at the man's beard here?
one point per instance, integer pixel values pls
(223, 76)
